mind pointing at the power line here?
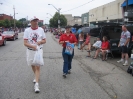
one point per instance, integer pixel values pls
(78, 6)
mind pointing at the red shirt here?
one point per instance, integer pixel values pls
(71, 38)
(105, 45)
(87, 40)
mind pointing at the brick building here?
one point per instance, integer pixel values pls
(4, 16)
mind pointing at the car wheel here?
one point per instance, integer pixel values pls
(17, 37)
(14, 38)
(130, 52)
(132, 72)
(4, 42)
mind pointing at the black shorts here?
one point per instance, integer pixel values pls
(81, 42)
(123, 49)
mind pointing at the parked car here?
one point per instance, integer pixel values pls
(2, 40)
(113, 33)
(10, 35)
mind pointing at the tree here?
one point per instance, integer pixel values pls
(51, 22)
(7, 23)
(23, 22)
(40, 24)
(19, 24)
(10, 23)
(54, 21)
(2, 23)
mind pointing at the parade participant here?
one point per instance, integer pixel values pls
(34, 36)
(67, 37)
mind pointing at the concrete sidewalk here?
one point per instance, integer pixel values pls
(110, 60)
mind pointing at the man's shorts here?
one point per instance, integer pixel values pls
(123, 49)
(30, 56)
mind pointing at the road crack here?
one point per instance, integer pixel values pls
(97, 77)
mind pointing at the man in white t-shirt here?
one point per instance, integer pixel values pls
(34, 36)
(123, 45)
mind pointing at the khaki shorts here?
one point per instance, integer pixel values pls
(30, 56)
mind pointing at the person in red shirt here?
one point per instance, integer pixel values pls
(67, 37)
(104, 48)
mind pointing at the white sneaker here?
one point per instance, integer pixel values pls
(125, 64)
(64, 75)
(34, 81)
(69, 71)
(120, 61)
(36, 87)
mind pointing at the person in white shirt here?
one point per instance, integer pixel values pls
(98, 43)
(34, 36)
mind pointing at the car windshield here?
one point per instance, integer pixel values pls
(8, 32)
(95, 32)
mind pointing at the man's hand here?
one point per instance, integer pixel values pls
(61, 42)
(34, 48)
(39, 43)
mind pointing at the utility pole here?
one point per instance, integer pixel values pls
(59, 19)
(58, 16)
(14, 18)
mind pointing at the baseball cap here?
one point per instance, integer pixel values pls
(34, 18)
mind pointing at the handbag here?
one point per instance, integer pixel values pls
(69, 48)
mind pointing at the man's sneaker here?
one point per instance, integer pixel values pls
(125, 64)
(69, 71)
(34, 81)
(36, 87)
(64, 75)
(120, 61)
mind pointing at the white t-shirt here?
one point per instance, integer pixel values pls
(33, 36)
(97, 44)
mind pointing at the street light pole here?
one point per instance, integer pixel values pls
(14, 18)
(50, 14)
(59, 14)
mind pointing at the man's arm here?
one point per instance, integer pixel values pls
(61, 40)
(29, 45)
(127, 41)
(41, 42)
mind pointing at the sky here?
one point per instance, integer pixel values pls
(39, 8)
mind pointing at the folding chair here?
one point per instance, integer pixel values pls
(107, 54)
(113, 44)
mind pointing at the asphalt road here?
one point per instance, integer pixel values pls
(90, 79)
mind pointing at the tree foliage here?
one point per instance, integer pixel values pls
(10, 23)
(54, 21)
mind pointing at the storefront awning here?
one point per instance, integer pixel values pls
(125, 3)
